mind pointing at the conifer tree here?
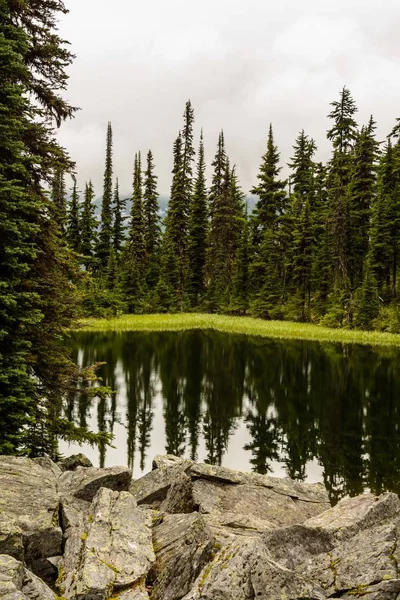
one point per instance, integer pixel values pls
(342, 134)
(133, 260)
(176, 231)
(223, 241)
(303, 167)
(152, 226)
(369, 301)
(188, 153)
(58, 196)
(219, 164)
(106, 219)
(240, 295)
(119, 206)
(380, 252)
(266, 270)
(322, 259)
(361, 196)
(88, 227)
(37, 297)
(197, 233)
(298, 234)
(270, 191)
(302, 256)
(73, 235)
(137, 224)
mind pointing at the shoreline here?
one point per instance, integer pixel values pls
(238, 325)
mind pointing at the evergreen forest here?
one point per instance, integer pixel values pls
(321, 246)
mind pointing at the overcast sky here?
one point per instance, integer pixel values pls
(243, 64)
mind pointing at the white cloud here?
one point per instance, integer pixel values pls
(242, 63)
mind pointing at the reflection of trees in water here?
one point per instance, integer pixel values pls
(300, 401)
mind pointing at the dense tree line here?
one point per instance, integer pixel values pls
(321, 246)
(38, 270)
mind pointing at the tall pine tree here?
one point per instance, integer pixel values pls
(106, 219)
(152, 228)
(197, 233)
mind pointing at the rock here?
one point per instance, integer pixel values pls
(17, 583)
(352, 515)
(152, 489)
(11, 538)
(74, 461)
(345, 551)
(114, 551)
(179, 497)
(183, 545)
(248, 506)
(29, 511)
(272, 581)
(313, 493)
(136, 593)
(84, 482)
(166, 460)
(47, 463)
(228, 575)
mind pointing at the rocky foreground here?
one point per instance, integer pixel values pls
(188, 531)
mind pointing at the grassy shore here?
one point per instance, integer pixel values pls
(241, 325)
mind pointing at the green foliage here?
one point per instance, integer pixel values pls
(37, 297)
(369, 300)
(73, 234)
(106, 220)
(197, 234)
(119, 206)
(152, 228)
(88, 228)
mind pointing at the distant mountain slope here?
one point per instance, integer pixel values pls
(163, 203)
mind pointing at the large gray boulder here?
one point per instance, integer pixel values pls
(152, 489)
(183, 546)
(74, 461)
(348, 551)
(84, 482)
(17, 583)
(107, 549)
(29, 504)
(248, 504)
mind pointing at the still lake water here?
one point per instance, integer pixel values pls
(312, 411)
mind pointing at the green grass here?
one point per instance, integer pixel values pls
(241, 325)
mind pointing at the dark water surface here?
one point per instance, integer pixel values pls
(312, 411)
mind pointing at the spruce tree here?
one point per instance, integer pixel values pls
(219, 165)
(176, 232)
(297, 229)
(106, 219)
(152, 228)
(267, 261)
(58, 196)
(119, 206)
(223, 240)
(303, 240)
(361, 196)
(88, 227)
(73, 220)
(187, 153)
(240, 293)
(342, 134)
(197, 233)
(322, 256)
(133, 259)
(270, 191)
(369, 300)
(37, 297)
